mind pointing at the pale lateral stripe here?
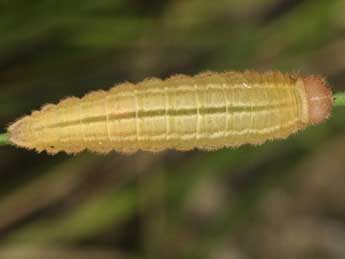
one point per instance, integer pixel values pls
(214, 135)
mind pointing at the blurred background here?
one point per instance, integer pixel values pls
(284, 199)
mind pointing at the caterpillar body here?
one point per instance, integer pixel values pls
(207, 111)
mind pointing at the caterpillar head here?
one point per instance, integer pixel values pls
(319, 97)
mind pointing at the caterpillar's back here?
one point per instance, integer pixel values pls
(207, 111)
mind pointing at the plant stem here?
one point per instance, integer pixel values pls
(339, 99)
(4, 139)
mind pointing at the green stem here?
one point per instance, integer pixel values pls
(4, 139)
(339, 99)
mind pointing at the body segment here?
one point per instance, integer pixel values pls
(207, 111)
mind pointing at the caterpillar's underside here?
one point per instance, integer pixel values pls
(208, 111)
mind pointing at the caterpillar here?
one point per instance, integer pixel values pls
(208, 111)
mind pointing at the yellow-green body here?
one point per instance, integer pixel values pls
(207, 111)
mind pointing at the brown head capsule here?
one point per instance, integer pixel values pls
(207, 111)
(319, 98)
